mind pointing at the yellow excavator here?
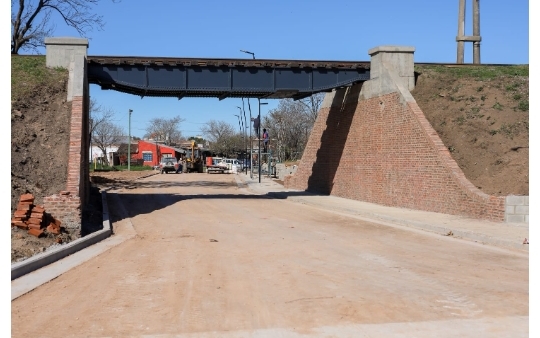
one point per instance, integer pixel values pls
(193, 158)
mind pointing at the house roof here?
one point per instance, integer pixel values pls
(178, 150)
(123, 148)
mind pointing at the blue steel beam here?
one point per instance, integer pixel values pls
(222, 78)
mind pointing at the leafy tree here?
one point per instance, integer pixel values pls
(165, 130)
(32, 20)
(198, 140)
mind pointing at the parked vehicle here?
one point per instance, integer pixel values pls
(232, 161)
(168, 164)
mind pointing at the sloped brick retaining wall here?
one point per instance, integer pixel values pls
(371, 142)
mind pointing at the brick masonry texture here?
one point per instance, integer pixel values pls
(383, 150)
(66, 208)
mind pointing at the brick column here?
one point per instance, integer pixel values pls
(71, 53)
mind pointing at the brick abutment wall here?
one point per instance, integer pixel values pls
(67, 205)
(383, 150)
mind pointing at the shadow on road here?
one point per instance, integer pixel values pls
(138, 204)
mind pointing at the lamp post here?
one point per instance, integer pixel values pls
(250, 141)
(259, 136)
(239, 126)
(129, 140)
(244, 125)
(245, 51)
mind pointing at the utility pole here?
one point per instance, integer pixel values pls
(476, 31)
(244, 126)
(461, 32)
(461, 38)
(259, 136)
(129, 140)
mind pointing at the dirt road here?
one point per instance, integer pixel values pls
(213, 260)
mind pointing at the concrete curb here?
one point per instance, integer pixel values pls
(418, 225)
(40, 260)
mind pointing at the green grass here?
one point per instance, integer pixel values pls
(29, 73)
(119, 168)
(523, 105)
(498, 106)
(512, 87)
(478, 72)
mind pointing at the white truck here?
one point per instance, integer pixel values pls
(224, 166)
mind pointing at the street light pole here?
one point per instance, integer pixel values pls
(245, 51)
(244, 125)
(259, 136)
(129, 140)
(250, 141)
(239, 127)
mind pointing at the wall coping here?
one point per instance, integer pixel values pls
(67, 41)
(391, 49)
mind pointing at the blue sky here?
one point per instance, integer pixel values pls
(286, 29)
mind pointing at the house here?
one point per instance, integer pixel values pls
(151, 152)
(120, 157)
(96, 154)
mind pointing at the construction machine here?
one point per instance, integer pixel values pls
(193, 157)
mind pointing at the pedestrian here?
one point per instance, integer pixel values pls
(265, 140)
(180, 166)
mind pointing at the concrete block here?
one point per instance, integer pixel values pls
(527, 218)
(60, 51)
(515, 218)
(522, 210)
(510, 210)
(515, 200)
(525, 200)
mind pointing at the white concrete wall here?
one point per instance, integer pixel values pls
(96, 152)
(517, 209)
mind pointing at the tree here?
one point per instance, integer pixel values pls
(105, 135)
(98, 115)
(99, 134)
(31, 20)
(165, 130)
(222, 137)
(291, 123)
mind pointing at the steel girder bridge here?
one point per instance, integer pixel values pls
(222, 78)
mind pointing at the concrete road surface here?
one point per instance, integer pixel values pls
(211, 259)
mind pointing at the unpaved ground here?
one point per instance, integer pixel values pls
(211, 260)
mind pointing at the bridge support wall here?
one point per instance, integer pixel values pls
(371, 142)
(70, 53)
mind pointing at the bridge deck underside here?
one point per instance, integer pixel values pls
(270, 79)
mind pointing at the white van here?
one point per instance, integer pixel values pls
(232, 161)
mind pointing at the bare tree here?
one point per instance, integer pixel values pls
(105, 135)
(312, 105)
(222, 137)
(290, 125)
(165, 130)
(32, 20)
(98, 115)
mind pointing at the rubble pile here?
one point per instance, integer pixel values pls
(34, 218)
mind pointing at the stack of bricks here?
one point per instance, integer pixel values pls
(33, 217)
